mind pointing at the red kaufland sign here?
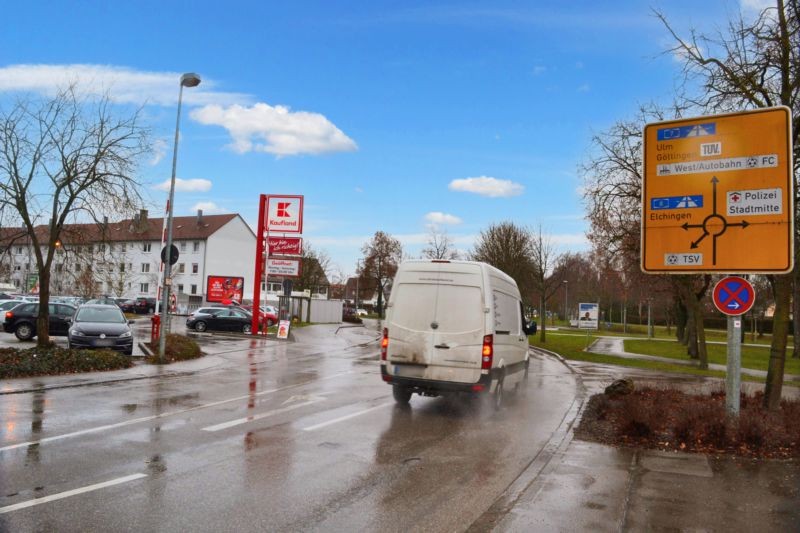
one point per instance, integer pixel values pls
(284, 214)
(285, 246)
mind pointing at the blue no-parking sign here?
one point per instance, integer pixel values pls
(734, 295)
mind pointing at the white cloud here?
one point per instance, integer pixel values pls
(579, 64)
(194, 185)
(358, 189)
(209, 208)
(159, 151)
(487, 186)
(276, 130)
(124, 85)
(537, 70)
(437, 217)
(585, 88)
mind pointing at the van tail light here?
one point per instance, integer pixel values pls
(384, 344)
(487, 353)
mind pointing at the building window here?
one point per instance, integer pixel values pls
(180, 288)
(144, 287)
(145, 246)
(194, 268)
(19, 250)
(124, 246)
(101, 247)
(196, 246)
(145, 267)
(183, 246)
(59, 267)
(17, 268)
(110, 247)
(122, 267)
(194, 289)
(181, 268)
(77, 267)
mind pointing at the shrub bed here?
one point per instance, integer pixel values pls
(672, 420)
(177, 348)
(20, 363)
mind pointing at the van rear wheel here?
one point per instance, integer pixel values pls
(498, 399)
(401, 394)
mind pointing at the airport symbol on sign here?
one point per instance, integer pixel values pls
(734, 296)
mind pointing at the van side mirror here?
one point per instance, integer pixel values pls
(530, 328)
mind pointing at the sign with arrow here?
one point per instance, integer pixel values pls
(734, 296)
(717, 194)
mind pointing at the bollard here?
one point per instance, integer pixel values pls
(155, 332)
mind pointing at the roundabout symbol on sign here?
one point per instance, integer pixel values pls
(734, 296)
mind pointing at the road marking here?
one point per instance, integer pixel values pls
(67, 494)
(346, 417)
(245, 420)
(163, 415)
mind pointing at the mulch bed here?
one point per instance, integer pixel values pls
(667, 419)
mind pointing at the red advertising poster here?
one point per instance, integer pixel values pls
(223, 288)
(285, 246)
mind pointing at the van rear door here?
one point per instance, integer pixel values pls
(438, 316)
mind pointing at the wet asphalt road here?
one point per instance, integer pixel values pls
(269, 436)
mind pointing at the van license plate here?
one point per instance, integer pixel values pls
(409, 371)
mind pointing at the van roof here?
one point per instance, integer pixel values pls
(484, 266)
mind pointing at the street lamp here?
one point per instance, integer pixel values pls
(190, 79)
(566, 305)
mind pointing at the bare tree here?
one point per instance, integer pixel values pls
(382, 256)
(508, 247)
(64, 158)
(547, 274)
(754, 64)
(440, 246)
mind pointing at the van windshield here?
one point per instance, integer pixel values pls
(456, 308)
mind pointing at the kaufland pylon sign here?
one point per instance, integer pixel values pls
(276, 214)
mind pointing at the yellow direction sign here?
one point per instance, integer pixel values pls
(718, 194)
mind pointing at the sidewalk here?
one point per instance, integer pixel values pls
(586, 486)
(615, 346)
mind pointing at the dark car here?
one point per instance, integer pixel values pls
(101, 326)
(127, 306)
(21, 320)
(220, 319)
(144, 305)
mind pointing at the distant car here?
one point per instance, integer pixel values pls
(268, 313)
(361, 312)
(127, 306)
(220, 319)
(21, 320)
(349, 315)
(103, 300)
(144, 305)
(100, 326)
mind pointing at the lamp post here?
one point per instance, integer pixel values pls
(189, 79)
(566, 304)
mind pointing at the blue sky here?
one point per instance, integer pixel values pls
(385, 115)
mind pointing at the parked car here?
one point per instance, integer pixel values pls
(127, 306)
(144, 305)
(100, 326)
(268, 313)
(361, 312)
(21, 320)
(5, 305)
(220, 319)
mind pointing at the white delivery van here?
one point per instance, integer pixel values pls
(454, 327)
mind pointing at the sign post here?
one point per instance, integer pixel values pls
(734, 296)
